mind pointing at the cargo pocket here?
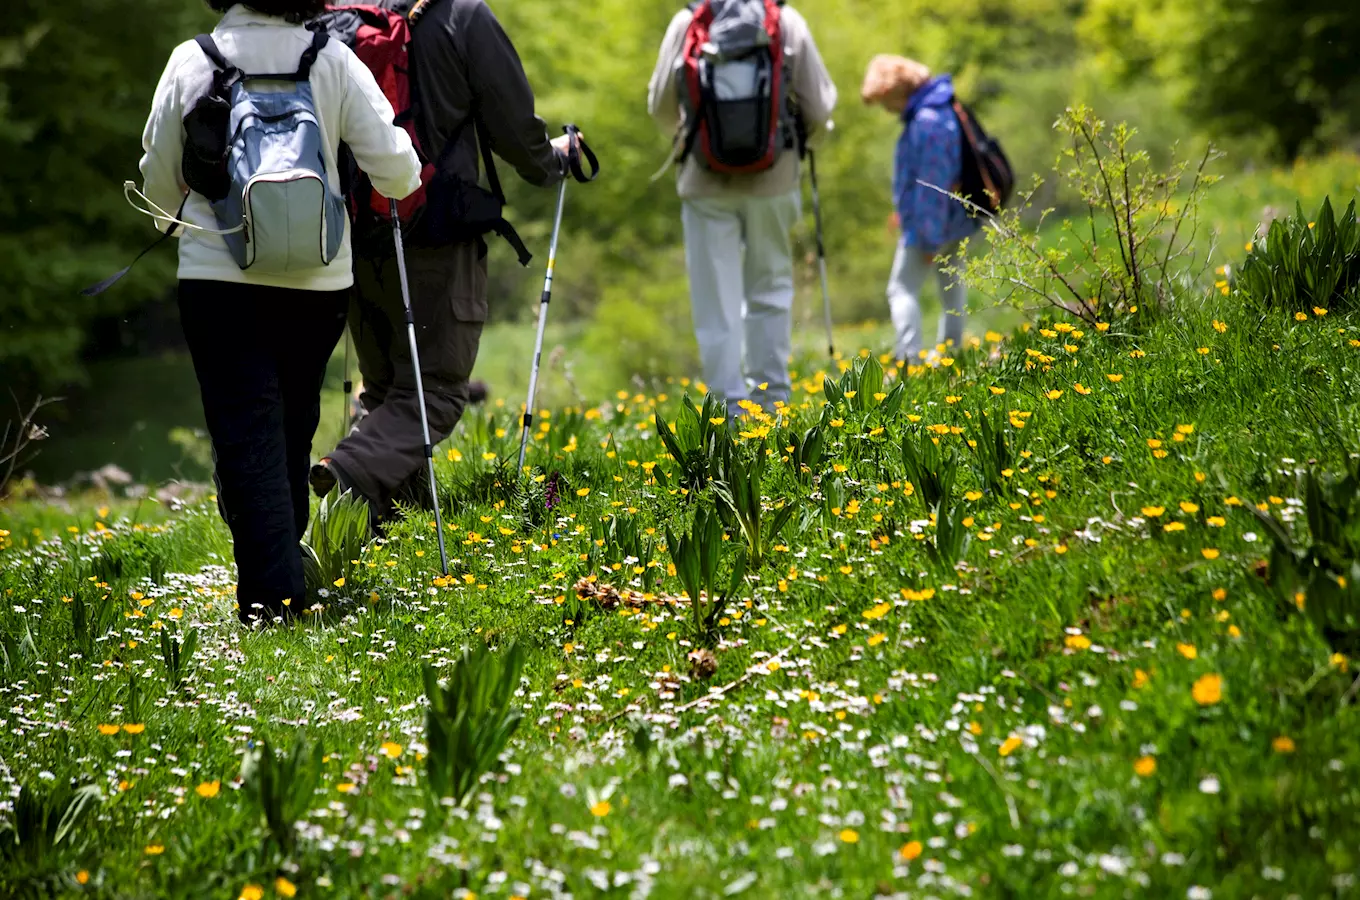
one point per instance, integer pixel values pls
(468, 306)
(467, 286)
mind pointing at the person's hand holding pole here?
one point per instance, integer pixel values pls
(565, 144)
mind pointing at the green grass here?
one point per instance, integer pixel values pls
(1025, 724)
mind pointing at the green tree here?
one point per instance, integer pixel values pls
(1282, 68)
(75, 86)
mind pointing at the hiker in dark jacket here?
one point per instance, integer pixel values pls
(464, 66)
(927, 161)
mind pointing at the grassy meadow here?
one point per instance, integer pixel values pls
(1073, 674)
(1071, 611)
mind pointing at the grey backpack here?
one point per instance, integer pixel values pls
(266, 180)
(733, 85)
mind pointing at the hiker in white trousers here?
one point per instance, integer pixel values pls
(740, 263)
(910, 267)
(737, 246)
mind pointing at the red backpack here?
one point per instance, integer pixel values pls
(445, 209)
(381, 39)
(734, 91)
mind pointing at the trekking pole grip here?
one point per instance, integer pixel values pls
(575, 150)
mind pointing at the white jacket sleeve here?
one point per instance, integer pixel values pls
(663, 101)
(163, 144)
(814, 92)
(381, 149)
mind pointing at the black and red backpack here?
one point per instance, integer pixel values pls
(985, 174)
(733, 86)
(445, 209)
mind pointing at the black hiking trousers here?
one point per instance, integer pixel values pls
(260, 354)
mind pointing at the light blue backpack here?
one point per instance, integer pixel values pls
(253, 149)
(279, 213)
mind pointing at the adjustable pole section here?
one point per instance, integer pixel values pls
(420, 386)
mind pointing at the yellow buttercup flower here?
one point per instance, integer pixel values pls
(1208, 690)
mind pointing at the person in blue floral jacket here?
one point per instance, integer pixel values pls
(927, 164)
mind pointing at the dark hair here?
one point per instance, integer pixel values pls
(295, 11)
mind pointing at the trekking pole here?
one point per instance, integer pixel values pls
(576, 148)
(821, 253)
(346, 419)
(420, 385)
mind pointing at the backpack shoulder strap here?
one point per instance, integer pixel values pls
(488, 162)
(967, 123)
(311, 54)
(210, 50)
(418, 10)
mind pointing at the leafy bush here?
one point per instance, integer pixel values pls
(1322, 578)
(471, 719)
(694, 441)
(951, 539)
(1302, 264)
(334, 539)
(696, 556)
(930, 469)
(43, 826)
(618, 542)
(804, 452)
(282, 786)
(997, 450)
(1128, 256)
(93, 613)
(740, 502)
(177, 653)
(860, 389)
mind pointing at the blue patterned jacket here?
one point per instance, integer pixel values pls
(929, 151)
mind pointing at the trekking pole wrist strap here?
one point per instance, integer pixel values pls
(577, 148)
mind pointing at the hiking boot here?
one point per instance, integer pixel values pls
(477, 393)
(326, 476)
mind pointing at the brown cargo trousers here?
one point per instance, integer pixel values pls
(448, 300)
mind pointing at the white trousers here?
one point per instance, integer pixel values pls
(909, 271)
(740, 261)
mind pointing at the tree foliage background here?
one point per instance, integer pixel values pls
(1273, 77)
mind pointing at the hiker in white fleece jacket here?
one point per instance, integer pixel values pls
(260, 343)
(737, 245)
